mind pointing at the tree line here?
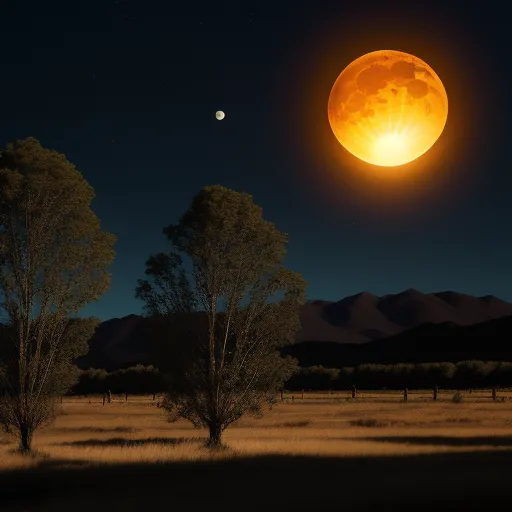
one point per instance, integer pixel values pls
(461, 375)
(136, 380)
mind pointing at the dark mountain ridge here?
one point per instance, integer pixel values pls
(389, 327)
(446, 342)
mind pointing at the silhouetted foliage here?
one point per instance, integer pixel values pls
(468, 374)
(463, 375)
(225, 362)
(53, 259)
(91, 381)
(314, 378)
(136, 380)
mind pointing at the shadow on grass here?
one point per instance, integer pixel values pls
(293, 424)
(123, 442)
(74, 430)
(449, 481)
(62, 463)
(497, 441)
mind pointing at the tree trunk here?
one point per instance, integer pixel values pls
(215, 435)
(25, 439)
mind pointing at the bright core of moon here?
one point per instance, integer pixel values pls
(220, 115)
(388, 108)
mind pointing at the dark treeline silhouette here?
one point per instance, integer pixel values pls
(137, 380)
(463, 375)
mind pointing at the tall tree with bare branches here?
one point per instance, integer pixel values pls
(53, 261)
(229, 303)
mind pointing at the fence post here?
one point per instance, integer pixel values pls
(405, 394)
(354, 391)
(435, 393)
(494, 393)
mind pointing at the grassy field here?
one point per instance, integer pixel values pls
(339, 450)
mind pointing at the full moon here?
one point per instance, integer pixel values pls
(388, 108)
(220, 115)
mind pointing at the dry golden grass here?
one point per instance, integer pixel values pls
(87, 433)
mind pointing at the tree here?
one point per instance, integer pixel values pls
(91, 381)
(473, 374)
(229, 306)
(314, 377)
(53, 260)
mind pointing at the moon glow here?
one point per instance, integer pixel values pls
(220, 115)
(388, 108)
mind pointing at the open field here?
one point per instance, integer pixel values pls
(336, 449)
(375, 423)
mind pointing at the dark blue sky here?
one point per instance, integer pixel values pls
(128, 90)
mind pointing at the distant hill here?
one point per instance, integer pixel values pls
(359, 319)
(118, 343)
(365, 317)
(447, 342)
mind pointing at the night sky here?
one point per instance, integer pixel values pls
(128, 90)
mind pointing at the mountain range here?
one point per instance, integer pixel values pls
(363, 319)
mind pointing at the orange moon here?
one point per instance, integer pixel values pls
(388, 108)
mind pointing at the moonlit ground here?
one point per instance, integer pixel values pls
(136, 431)
(324, 453)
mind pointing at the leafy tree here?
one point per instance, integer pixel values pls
(432, 374)
(502, 374)
(53, 259)
(229, 306)
(400, 374)
(314, 377)
(91, 381)
(473, 373)
(346, 377)
(373, 375)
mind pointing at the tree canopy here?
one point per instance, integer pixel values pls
(53, 261)
(230, 304)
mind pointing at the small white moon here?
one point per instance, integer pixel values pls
(220, 115)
